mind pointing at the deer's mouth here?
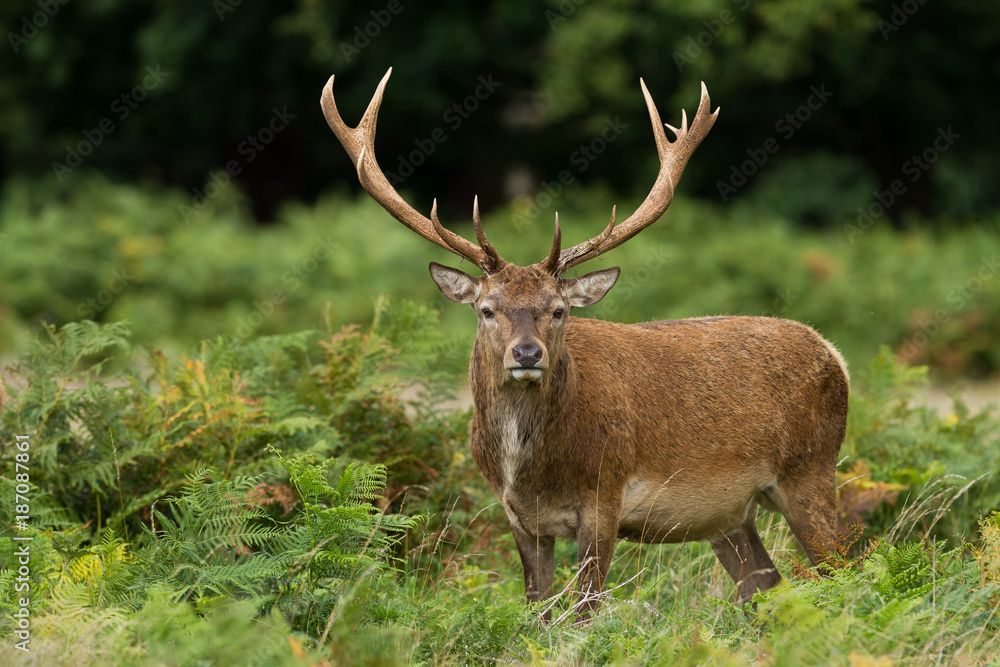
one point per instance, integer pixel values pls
(526, 374)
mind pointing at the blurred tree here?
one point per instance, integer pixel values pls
(176, 91)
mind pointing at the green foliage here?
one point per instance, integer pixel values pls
(988, 554)
(99, 576)
(205, 542)
(230, 632)
(105, 448)
(213, 545)
(55, 414)
(342, 531)
(165, 632)
(214, 548)
(946, 465)
(932, 298)
(901, 571)
(907, 602)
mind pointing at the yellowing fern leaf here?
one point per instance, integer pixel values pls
(858, 494)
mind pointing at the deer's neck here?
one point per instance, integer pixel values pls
(519, 421)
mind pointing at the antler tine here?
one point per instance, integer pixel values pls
(564, 261)
(484, 243)
(370, 118)
(607, 230)
(445, 235)
(674, 156)
(359, 142)
(551, 263)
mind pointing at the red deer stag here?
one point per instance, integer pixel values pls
(657, 432)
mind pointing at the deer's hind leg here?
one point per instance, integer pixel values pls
(809, 505)
(806, 491)
(746, 560)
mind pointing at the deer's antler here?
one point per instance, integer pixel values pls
(359, 142)
(674, 156)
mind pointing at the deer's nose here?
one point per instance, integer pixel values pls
(527, 354)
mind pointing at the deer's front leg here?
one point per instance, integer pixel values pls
(596, 536)
(539, 562)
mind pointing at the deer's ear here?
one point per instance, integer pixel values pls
(457, 285)
(590, 288)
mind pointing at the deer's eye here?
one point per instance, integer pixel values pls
(558, 314)
(487, 313)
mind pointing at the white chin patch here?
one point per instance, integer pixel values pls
(526, 374)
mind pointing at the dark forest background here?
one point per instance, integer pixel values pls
(897, 73)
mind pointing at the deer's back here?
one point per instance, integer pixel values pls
(710, 393)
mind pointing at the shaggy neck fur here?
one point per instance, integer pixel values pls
(515, 418)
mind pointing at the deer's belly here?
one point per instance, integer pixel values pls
(675, 511)
(672, 511)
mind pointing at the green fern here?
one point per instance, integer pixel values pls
(336, 537)
(901, 572)
(209, 541)
(345, 532)
(62, 419)
(102, 576)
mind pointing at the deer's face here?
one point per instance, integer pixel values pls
(522, 311)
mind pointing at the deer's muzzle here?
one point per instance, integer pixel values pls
(526, 361)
